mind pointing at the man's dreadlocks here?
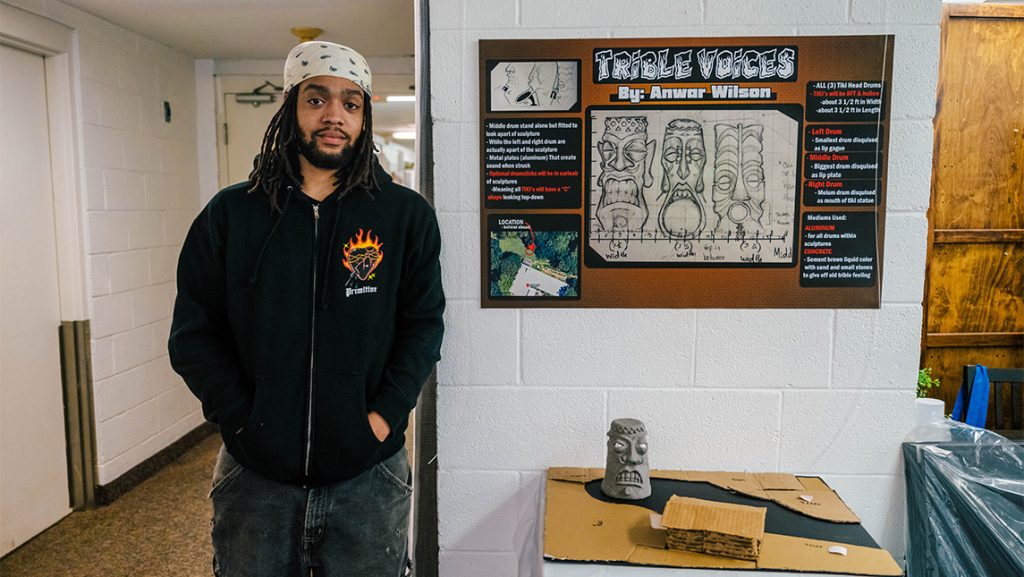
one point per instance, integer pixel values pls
(278, 159)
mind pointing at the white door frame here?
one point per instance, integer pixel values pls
(56, 43)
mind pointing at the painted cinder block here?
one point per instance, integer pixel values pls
(146, 228)
(460, 255)
(97, 59)
(493, 14)
(908, 187)
(454, 158)
(906, 241)
(844, 432)
(125, 391)
(163, 263)
(733, 12)
(104, 147)
(128, 270)
(867, 11)
(447, 15)
(519, 428)
(95, 189)
(151, 304)
(621, 348)
(477, 510)
(915, 72)
(877, 348)
(466, 564)
(176, 225)
(913, 11)
(480, 346)
(137, 73)
(124, 190)
(543, 14)
(119, 108)
(151, 117)
(102, 358)
(178, 403)
(109, 232)
(446, 62)
(763, 348)
(142, 152)
(99, 275)
(668, 30)
(687, 430)
(111, 314)
(133, 348)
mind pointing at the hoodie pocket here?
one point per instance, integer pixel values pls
(343, 442)
(271, 440)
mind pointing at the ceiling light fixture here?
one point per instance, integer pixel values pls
(306, 34)
(402, 98)
(404, 135)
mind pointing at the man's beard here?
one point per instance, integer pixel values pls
(320, 159)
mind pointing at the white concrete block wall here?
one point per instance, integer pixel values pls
(821, 392)
(140, 190)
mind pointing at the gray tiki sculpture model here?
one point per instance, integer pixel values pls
(627, 473)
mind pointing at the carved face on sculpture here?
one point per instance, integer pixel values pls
(739, 188)
(627, 472)
(682, 160)
(626, 157)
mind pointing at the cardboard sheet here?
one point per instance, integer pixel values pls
(580, 526)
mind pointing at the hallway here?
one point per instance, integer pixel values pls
(158, 529)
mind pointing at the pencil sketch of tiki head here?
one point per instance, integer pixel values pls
(739, 188)
(626, 157)
(682, 184)
(627, 473)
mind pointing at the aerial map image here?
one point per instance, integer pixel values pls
(525, 262)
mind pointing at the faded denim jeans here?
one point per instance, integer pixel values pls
(353, 528)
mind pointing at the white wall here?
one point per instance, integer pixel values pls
(139, 183)
(823, 392)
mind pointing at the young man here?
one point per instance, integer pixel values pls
(308, 315)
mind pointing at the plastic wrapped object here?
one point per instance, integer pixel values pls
(965, 502)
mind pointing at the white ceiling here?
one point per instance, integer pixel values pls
(255, 29)
(381, 30)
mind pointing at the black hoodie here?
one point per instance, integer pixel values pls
(289, 327)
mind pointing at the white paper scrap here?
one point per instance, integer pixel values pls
(837, 550)
(807, 498)
(655, 521)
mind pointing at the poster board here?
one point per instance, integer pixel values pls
(684, 173)
(807, 526)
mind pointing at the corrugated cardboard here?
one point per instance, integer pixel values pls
(701, 526)
(579, 527)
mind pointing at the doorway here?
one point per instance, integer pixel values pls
(33, 459)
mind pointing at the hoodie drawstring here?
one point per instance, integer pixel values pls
(255, 278)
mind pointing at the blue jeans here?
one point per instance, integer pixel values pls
(353, 528)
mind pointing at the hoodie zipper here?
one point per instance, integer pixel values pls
(312, 344)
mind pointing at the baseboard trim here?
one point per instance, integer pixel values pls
(107, 494)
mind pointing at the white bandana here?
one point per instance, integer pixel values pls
(318, 58)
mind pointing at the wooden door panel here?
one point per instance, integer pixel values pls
(980, 144)
(976, 288)
(974, 281)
